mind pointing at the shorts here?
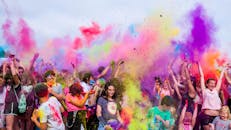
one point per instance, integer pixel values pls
(11, 108)
(206, 119)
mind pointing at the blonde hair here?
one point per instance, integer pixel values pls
(226, 110)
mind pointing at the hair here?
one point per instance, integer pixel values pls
(20, 67)
(158, 80)
(1, 75)
(110, 83)
(8, 76)
(167, 100)
(27, 78)
(209, 79)
(86, 77)
(76, 88)
(41, 90)
(49, 72)
(226, 110)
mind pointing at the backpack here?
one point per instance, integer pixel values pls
(22, 103)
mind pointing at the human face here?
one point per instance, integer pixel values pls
(20, 71)
(165, 108)
(50, 77)
(111, 91)
(1, 81)
(223, 115)
(50, 80)
(211, 84)
(165, 84)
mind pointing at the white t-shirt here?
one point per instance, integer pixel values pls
(86, 88)
(211, 100)
(49, 112)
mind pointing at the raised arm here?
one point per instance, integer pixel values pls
(227, 77)
(202, 80)
(78, 103)
(182, 115)
(176, 83)
(14, 73)
(219, 82)
(177, 92)
(103, 72)
(118, 69)
(170, 88)
(192, 91)
(31, 67)
(173, 76)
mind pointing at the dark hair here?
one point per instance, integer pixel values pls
(119, 88)
(158, 79)
(41, 90)
(209, 79)
(105, 93)
(9, 78)
(49, 72)
(20, 67)
(76, 88)
(87, 77)
(167, 100)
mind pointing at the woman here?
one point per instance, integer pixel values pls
(27, 90)
(75, 102)
(13, 88)
(107, 109)
(211, 100)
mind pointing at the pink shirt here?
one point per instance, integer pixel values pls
(211, 100)
(71, 107)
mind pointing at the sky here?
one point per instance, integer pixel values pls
(58, 18)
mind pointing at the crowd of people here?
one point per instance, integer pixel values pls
(33, 101)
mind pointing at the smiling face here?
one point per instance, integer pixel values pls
(211, 84)
(110, 91)
(50, 80)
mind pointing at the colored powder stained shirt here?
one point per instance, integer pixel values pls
(49, 112)
(156, 124)
(109, 108)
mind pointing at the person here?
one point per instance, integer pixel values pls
(222, 122)
(187, 120)
(55, 89)
(27, 90)
(159, 116)
(211, 100)
(13, 88)
(76, 108)
(107, 108)
(2, 102)
(48, 115)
